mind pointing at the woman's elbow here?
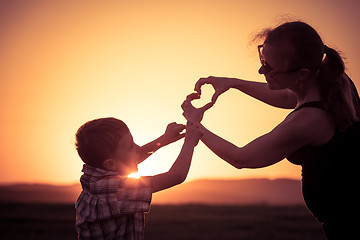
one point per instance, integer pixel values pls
(235, 158)
(234, 161)
(238, 166)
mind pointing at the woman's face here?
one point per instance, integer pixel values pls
(275, 66)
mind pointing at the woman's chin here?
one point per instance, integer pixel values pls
(273, 86)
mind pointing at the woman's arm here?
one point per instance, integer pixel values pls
(306, 126)
(277, 98)
(265, 150)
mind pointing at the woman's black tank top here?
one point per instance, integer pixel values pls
(328, 175)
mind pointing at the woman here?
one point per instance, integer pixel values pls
(322, 132)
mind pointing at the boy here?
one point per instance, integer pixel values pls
(112, 205)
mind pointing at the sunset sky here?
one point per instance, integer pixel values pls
(65, 62)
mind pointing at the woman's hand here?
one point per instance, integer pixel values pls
(192, 114)
(219, 84)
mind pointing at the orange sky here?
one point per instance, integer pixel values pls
(63, 63)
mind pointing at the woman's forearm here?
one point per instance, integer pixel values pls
(261, 91)
(222, 148)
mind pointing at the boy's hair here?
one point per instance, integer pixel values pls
(97, 140)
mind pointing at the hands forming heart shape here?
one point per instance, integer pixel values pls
(195, 115)
(191, 113)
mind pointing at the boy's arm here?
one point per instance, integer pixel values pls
(172, 134)
(179, 170)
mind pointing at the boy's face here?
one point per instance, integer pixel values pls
(126, 157)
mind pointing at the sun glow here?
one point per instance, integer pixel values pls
(134, 175)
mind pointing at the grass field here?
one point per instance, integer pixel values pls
(52, 221)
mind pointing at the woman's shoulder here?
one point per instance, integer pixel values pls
(314, 123)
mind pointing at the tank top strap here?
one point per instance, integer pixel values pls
(314, 104)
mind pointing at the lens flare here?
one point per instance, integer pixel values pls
(134, 175)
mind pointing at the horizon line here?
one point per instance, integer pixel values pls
(55, 184)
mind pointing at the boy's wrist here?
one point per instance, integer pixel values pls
(191, 141)
(161, 141)
(193, 138)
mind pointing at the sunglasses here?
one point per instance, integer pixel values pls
(267, 68)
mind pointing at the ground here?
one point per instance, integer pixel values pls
(254, 222)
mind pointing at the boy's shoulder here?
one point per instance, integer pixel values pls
(120, 185)
(100, 183)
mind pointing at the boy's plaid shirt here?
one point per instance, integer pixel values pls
(111, 206)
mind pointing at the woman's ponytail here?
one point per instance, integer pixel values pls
(338, 92)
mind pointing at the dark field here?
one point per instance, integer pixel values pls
(51, 221)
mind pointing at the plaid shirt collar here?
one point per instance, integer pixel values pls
(97, 172)
(100, 181)
(94, 178)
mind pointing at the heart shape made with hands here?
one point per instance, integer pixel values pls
(207, 91)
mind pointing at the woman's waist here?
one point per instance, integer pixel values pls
(329, 197)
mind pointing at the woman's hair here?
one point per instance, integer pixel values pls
(97, 140)
(338, 91)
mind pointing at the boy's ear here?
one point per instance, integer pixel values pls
(109, 164)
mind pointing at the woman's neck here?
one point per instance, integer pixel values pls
(308, 93)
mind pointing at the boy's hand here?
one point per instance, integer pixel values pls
(193, 133)
(173, 133)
